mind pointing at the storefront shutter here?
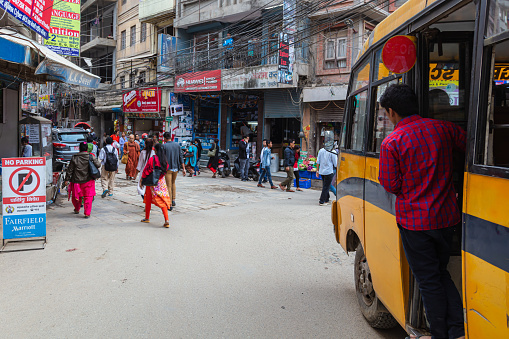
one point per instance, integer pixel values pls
(331, 111)
(279, 104)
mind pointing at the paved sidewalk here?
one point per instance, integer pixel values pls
(203, 192)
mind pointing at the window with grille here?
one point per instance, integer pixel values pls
(132, 80)
(123, 40)
(142, 78)
(143, 36)
(122, 82)
(133, 35)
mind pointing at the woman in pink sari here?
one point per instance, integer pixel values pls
(82, 185)
(158, 194)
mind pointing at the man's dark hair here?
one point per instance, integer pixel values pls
(167, 135)
(24, 140)
(109, 140)
(402, 99)
(291, 140)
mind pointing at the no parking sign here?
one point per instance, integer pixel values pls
(24, 197)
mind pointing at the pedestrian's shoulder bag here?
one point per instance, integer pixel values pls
(212, 152)
(92, 170)
(153, 177)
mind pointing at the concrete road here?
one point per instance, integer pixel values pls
(237, 262)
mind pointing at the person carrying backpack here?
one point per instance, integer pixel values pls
(110, 161)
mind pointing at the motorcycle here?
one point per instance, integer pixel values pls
(223, 165)
(253, 172)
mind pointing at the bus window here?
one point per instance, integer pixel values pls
(381, 71)
(361, 76)
(447, 83)
(383, 126)
(358, 120)
(495, 144)
(497, 19)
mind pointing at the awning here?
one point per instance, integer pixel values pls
(141, 56)
(18, 49)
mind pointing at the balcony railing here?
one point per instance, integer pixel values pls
(238, 55)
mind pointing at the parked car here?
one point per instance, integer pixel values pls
(66, 143)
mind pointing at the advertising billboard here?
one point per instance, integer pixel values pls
(35, 14)
(206, 81)
(64, 36)
(167, 45)
(147, 100)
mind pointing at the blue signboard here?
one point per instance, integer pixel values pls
(24, 226)
(167, 45)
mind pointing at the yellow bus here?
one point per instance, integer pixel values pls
(463, 51)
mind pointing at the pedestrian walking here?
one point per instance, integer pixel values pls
(132, 149)
(326, 162)
(26, 149)
(144, 156)
(122, 141)
(199, 149)
(416, 165)
(265, 159)
(296, 168)
(110, 161)
(190, 160)
(175, 161)
(289, 160)
(263, 174)
(78, 177)
(213, 154)
(116, 136)
(158, 194)
(244, 158)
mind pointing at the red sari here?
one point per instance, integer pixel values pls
(133, 150)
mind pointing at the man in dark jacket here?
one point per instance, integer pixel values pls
(175, 161)
(289, 161)
(244, 158)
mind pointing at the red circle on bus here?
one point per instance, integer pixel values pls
(399, 54)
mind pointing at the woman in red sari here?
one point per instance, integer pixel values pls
(132, 149)
(158, 194)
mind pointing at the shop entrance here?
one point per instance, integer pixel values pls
(206, 120)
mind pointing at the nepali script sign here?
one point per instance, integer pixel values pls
(24, 197)
(64, 37)
(35, 14)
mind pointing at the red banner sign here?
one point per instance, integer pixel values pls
(206, 81)
(145, 100)
(36, 14)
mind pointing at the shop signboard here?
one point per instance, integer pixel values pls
(35, 14)
(24, 197)
(167, 46)
(284, 63)
(206, 81)
(64, 37)
(258, 77)
(147, 100)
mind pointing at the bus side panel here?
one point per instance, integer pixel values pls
(350, 195)
(383, 247)
(486, 256)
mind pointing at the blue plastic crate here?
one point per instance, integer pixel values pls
(305, 174)
(303, 183)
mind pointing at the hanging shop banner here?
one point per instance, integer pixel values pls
(206, 81)
(24, 197)
(64, 37)
(284, 65)
(257, 77)
(167, 46)
(147, 100)
(35, 14)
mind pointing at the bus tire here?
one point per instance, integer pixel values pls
(372, 308)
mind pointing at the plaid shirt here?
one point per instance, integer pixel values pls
(416, 166)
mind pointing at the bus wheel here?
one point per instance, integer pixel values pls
(371, 307)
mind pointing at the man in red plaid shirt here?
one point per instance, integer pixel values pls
(416, 166)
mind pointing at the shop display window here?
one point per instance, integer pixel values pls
(248, 113)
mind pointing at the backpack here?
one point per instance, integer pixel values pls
(111, 163)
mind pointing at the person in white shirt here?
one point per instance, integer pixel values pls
(327, 161)
(26, 151)
(109, 157)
